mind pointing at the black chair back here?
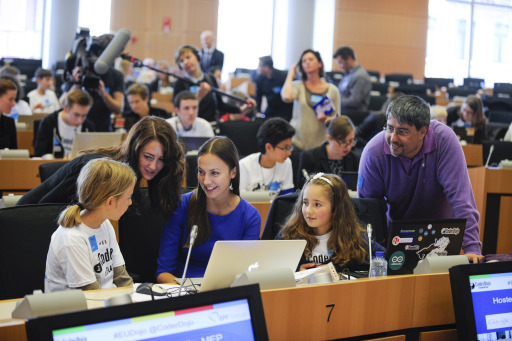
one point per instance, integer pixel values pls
(47, 169)
(438, 82)
(243, 135)
(381, 88)
(474, 82)
(376, 102)
(374, 75)
(26, 233)
(502, 150)
(368, 211)
(502, 90)
(402, 78)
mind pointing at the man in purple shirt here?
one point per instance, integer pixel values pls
(418, 168)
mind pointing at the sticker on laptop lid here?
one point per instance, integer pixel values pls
(397, 260)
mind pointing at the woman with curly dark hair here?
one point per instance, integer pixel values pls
(150, 148)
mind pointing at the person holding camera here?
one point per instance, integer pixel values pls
(108, 94)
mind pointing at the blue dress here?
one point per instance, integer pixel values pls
(244, 222)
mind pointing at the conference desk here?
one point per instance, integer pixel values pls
(492, 188)
(25, 140)
(20, 175)
(414, 305)
(474, 155)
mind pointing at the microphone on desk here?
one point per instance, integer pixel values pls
(490, 153)
(369, 233)
(193, 235)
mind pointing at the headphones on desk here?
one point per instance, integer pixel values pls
(180, 51)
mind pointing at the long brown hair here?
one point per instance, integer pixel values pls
(346, 240)
(165, 187)
(225, 149)
(475, 103)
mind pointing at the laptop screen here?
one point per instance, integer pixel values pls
(410, 241)
(228, 314)
(482, 300)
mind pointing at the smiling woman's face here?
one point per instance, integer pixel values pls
(151, 159)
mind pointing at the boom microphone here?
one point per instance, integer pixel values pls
(113, 49)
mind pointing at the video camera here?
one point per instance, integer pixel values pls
(84, 53)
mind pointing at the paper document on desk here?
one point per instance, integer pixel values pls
(301, 277)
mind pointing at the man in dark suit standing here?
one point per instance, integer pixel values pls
(210, 57)
(269, 84)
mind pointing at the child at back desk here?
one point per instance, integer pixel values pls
(325, 217)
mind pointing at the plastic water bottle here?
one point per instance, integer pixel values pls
(379, 265)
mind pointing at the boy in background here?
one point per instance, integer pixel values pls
(43, 99)
(58, 130)
(271, 168)
(186, 122)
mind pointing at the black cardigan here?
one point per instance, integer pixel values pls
(315, 160)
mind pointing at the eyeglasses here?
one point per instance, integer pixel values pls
(404, 132)
(348, 143)
(285, 149)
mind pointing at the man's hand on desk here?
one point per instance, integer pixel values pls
(473, 258)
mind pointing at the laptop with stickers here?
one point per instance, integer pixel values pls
(410, 241)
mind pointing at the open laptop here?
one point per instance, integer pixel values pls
(229, 314)
(258, 196)
(350, 180)
(410, 241)
(481, 300)
(192, 143)
(234, 257)
(465, 134)
(93, 140)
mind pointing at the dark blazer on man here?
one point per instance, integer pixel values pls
(216, 60)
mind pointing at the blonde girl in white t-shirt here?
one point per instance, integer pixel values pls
(83, 252)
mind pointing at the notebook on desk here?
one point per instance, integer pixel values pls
(234, 257)
(410, 241)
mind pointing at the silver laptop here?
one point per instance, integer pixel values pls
(93, 140)
(258, 196)
(232, 258)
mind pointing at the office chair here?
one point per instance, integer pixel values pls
(381, 88)
(374, 75)
(243, 135)
(462, 91)
(474, 82)
(502, 90)
(368, 211)
(502, 151)
(334, 77)
(376, 102)
(498, 116)
(26, 232)
(497, 103)
(191, 170)
(412, 89)
(47, 169)
(401, 78)
(438, 82)
(356, 116)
